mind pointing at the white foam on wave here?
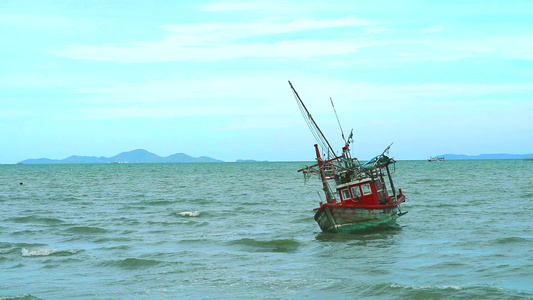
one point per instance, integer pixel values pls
(452, 287)
(189, 214)
(45, 252)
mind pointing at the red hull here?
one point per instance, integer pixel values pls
(342, 217)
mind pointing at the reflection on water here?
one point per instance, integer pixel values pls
(383, 232)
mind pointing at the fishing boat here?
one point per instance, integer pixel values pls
(436, 159)
(356, 193)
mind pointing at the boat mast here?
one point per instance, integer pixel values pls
(390, 181)
(315, 130)
(325, 185)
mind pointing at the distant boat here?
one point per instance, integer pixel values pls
(436, 159)
(356, 194)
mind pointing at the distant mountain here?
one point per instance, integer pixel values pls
(486, 156)
(135, 156)
(180, 157)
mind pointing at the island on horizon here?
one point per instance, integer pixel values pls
(485, 156)
(249, 160)
(134, 156)
(144, 156)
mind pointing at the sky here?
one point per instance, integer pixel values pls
(210, 78)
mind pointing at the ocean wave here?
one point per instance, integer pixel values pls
(282, 245)
(35, 219)
(133, 263)
(448, 287)
(117, 247)
(406, 291)
(28, 245)
(527, 195)
(178, 222)
(189, 214)
(126, 238)
(449, 265)
(47, 252)
(159, 202)
(87, 229)
(17, 266)
(70, 199)
(5, 245)
(304, 220)
(510, 240)
(7, 251)
(19, 297)
(422, 180)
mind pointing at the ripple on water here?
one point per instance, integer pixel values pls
(511, 240)
(159, 202)
(405, 291)
(247, 230)
(132, 263)
(279, 245)
(35, 219)
(86, 230)
(19, 297)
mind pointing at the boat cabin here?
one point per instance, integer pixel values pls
(365, 192)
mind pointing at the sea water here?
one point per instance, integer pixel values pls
(246, 230)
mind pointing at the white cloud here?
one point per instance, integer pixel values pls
(39, 22)
(263, 95)
(214, 41)
(163, 112)
(209, 31)
(210, 89)
(458, 91)
(426, 48)
(208, 42)
(273, 7)
(16, 113)
(254, 6)
(170, 51)
(432, 29)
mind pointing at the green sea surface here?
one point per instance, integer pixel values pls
(246, 230)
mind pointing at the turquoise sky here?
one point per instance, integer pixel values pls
(210, 77)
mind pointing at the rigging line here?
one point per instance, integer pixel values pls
(330, 151)
(312, 128)
(336, 116)
(309, 119)
(315, 133)
(320, 140)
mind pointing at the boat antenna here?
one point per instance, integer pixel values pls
(313, 127)
(386, 151)
(336, 116)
